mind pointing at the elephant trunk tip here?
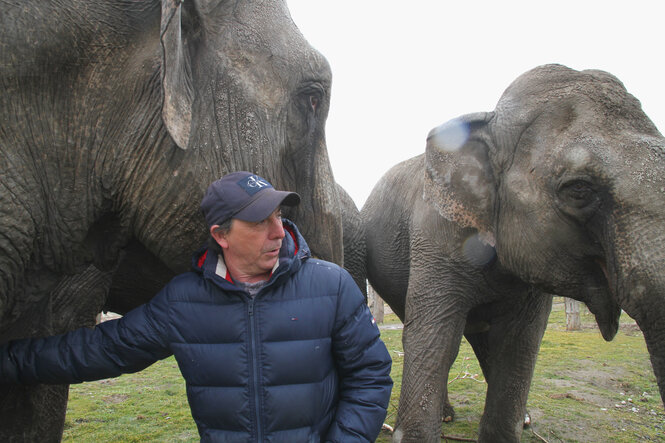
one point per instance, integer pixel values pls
(608, 329)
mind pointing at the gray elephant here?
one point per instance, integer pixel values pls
(116, 116)
(353, 235)
(560, 190)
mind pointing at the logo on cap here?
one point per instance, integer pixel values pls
(254, 184)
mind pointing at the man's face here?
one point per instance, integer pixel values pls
(252, 249)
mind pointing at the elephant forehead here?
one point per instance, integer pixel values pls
(646, 158)
(272, 66)
(627, 159)
(577, 157)
(259, 31)
(583, 155)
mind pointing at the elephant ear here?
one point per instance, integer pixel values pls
(459, 181)
(176, 74)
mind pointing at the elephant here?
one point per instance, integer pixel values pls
(116, 117)
(559, 190)
(353, 239)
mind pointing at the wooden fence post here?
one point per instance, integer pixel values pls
(572, 315)
(375, 304)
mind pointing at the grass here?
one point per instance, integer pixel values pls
(150, 405)
(584, 389)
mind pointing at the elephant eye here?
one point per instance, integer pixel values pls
(311, 95)
(313, 102)
(577, 193)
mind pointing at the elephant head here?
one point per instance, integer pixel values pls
(242, 90)
(565, 179)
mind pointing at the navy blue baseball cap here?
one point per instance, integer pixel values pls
(244, 196)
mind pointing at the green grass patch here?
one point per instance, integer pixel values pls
(584, 390)
(150, 405)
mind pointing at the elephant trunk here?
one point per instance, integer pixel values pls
(641, 287)
(319, 216)
(602, 303)
(653, 327)
(645, 302)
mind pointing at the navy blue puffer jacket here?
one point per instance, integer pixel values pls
(299, 362)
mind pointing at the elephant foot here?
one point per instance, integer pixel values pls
(448, 413)
(527, 420)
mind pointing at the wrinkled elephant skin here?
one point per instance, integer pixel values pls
(353, 236)
(559, 190)
(116, 117)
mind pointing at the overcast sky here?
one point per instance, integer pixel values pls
(402, 68)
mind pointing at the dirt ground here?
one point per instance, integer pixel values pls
(604, 399)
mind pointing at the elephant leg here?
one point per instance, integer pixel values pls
(479, 341)
(32, 413)
(431, 337)
(512, 347)
(37, 413)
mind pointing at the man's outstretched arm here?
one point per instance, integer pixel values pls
(125, 345)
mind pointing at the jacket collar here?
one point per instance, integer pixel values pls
(222, 271)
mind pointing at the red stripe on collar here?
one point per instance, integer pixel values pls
(293, 236)
(202, 259)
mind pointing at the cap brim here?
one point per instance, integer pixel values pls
(265, 203)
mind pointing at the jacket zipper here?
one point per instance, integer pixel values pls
(255, 369)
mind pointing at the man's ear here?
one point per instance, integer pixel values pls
(459, 181)
(219, 236)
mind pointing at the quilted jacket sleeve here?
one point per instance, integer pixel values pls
(363, 364)
(128, 344)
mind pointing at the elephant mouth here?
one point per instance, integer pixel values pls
(601, 300)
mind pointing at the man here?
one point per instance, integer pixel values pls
(273, 344)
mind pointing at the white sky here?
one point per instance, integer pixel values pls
(402, 68)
